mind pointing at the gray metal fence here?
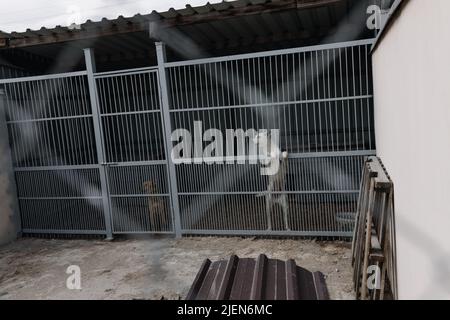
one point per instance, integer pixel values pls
(319, 97)
(91, 150)
(54, 154)
(135, 151)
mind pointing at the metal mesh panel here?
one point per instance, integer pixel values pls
(327, 214)
(62, 216)
(141, 214)
(304, 174)
(272, 78)
(133, 137)
(321, 101)
(51, 133)
(140, 198)
(55, 201)
(321, 196)
(58, 183)
(310, 214)
(220, 178)
(128, 179)
(131, 117)
(48, 98)
(135, 151)
(322, 213)
(133, 91)
(50, 122)
(337, 173)
(222, 212)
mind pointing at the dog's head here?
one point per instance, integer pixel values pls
(149, 186)
(261, 138)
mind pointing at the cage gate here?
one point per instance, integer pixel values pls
(134, 151)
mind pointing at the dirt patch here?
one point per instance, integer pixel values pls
(151, 268)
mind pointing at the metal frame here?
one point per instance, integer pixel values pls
(91, 68)
(57, 112)
(161, 55)
(114, 87)
(189, 185)
(261, 54)
(211, 77)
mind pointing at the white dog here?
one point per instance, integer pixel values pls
(276, 169)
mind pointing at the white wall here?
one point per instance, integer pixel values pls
(412, 123)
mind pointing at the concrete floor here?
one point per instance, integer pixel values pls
(150, 268)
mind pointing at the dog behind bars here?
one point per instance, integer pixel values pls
(156, 207)
(276, 170)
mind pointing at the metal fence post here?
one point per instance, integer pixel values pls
(161, 55)
(90, 68)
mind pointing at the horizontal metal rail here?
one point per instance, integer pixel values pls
(128, 112)
(49, 119)
(244, 158)
(136, 163)
(268, 233)
(143, 232)
(207, 193)
(332, 154)
(125, 72)
(51, 231)
(271, 104)
(59, 198)
(44, 77)
(49, 168)
(140, 195)
(270, 53)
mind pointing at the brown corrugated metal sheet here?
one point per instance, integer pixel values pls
(256, 279)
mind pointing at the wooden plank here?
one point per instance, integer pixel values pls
(375, 214)
(382, 182)
(376, 256)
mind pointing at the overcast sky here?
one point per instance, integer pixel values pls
(18, 15)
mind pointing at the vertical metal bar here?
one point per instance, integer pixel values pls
(90, 67)
(161, 55)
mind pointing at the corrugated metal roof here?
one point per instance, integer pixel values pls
(256, 279)
(219, 29)
(172, 17)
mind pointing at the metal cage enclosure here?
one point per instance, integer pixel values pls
(91, 151)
